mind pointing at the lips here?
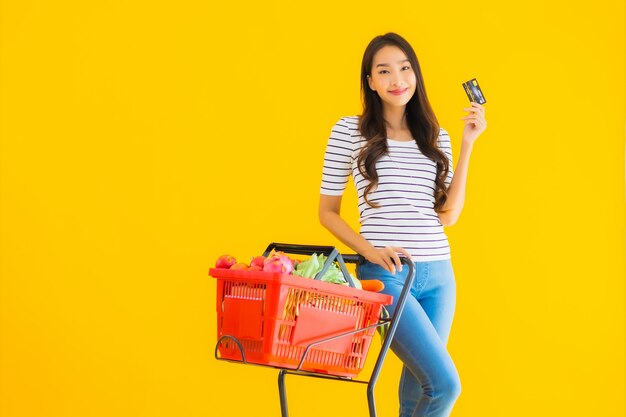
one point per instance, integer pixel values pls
(398, 92)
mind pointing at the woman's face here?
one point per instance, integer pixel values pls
(392, 76)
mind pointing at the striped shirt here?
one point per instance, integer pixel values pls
(405, 191)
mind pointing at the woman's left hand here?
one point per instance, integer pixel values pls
(475, 123)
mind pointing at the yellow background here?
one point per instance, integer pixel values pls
(141, 140)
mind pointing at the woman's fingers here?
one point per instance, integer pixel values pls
(404, 252)
(396, 258)
(389, 265)
(389, 254)
(478, 106)
(388, 258)
(475, 108)
(476, 120)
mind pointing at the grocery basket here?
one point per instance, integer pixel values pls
(303, 326)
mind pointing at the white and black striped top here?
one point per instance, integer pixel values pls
(405, 192)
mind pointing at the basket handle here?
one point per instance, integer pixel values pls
(330, 251)
(298, 249)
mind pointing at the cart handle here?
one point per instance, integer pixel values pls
(330, 251)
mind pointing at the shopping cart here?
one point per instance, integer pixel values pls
(303, 326)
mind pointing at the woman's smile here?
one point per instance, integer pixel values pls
(399, 91)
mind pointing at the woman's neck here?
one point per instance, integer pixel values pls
(395, 118)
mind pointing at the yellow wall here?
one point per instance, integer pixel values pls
(141, 140)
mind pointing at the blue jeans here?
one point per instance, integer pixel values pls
(429, 384)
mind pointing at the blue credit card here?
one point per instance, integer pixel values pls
(473, 91)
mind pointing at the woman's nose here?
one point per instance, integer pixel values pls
(399, 82)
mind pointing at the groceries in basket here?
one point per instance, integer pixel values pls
(279, 262)
(276, 311)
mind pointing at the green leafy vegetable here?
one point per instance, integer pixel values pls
(310, 267)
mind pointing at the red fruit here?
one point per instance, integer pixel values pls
(278, 262)
(255, 268)
(258, 261)
(225, 261)
(239, 265)
(275, 265)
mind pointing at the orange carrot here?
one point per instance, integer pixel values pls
(372, 285)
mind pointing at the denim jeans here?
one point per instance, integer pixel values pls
(429, 383)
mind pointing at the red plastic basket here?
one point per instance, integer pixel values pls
(276, 316)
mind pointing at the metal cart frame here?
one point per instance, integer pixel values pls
(333, 255)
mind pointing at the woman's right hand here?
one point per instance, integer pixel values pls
(387, 257)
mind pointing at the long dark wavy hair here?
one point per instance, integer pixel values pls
(419, 116)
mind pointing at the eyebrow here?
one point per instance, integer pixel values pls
(386, 65)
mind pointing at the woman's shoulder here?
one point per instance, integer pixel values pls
(348, 125)
(444, 136)
(351, 119)
(349, 122)
(443, 141)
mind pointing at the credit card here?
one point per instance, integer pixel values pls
(473, 91)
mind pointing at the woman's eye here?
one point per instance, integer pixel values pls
(406, 66)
